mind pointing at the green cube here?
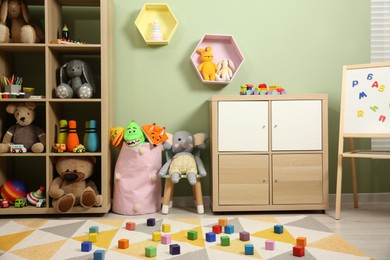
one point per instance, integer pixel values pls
(192, 235)
(225, 241)
(150, 251)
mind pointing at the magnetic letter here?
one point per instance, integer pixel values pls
(382, 118)
(362, 95)
(375, 84)
(374, 108)
(360, 113)
(369, 76)
(354, 83)
(381, 88)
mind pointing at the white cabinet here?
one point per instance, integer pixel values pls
(269, 153)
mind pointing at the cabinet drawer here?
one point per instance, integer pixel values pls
(243, 180)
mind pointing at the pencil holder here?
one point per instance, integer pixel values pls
(13, 88)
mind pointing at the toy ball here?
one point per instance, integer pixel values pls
(13, 189)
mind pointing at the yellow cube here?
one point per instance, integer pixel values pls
(93, 237)
(156, 236)
(166, 228)
(222, 222)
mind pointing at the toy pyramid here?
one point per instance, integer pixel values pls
(33, 197)
(156, 34)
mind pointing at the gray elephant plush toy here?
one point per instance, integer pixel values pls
(75, 79)
(185, 158)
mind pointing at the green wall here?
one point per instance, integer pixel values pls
(300, 45)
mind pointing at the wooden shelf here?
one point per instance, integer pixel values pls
(166, 19)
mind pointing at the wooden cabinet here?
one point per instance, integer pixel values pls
(269, 152)
(89, 21)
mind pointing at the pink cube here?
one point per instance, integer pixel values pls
(166, 239)
(269, 245)
(130, 225)
(244, 236)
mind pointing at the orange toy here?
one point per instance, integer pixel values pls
(207, 68)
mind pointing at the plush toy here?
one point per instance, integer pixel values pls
(225, 70)
(154, 133)
(72, 187)
(75, 79)
(23, 132)
(20, 29)
(116, 136)
(184, 161)
(207, 68)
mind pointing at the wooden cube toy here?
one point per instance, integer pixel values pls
(130, 225)
(151, 222)
(166, 239)
(174, 249)
(301, 241)
(229, 229)
(278, 229)
(192, 235)
(298, 251)
(269, 245)
(166, 228)
(249, 249)
(123, 243)
(217, 229)
(92, 237)
(211, 237)
(150, 251)
(86, 246)
(94, 229)
(225, 241)
(156, 236)
(244, 236)
(222, 222)
(99, 254)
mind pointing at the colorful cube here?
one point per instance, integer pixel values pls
(298, 251)
(225, 241)
(123, 243)
(211, 237)
(166, 239)
(94, 229)
(269, 245)
(222, 222)
(92, 237)
(278, 229)
(229, 229)
(156, 236)
(301, 241)
(244, 236)
(174, 249)
(166, 228)
(192, 235)
(150, 251)
(99, 254)
(249, 249)
(86, 246)
(130, 225)
(151, 222)
(217, 229)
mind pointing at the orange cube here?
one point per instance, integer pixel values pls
(301, 241)
(123, 243)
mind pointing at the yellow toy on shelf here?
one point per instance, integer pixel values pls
(207, 68)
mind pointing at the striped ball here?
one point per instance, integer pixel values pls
(13, 189)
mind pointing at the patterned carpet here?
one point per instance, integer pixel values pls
(61, 239)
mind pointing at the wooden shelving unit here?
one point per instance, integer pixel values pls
(44, 60)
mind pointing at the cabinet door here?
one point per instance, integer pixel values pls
(297, 178)
(296, 125)
(243, 126)
(243, 180)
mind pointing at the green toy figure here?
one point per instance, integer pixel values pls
(133, 135)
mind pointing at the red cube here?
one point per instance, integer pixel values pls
(298, 251)
(217, 229)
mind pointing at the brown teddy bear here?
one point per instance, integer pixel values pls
(23, 132)
(72, 187)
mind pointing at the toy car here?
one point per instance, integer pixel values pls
(20, 203)
(79, 149)
(59, 148)
(41, 203)
(4, 203)
(17, 148)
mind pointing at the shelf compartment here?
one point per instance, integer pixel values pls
(166, 19)
(223, 47)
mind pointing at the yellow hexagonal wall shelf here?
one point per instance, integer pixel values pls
(156, 23)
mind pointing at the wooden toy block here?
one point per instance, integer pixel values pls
(298, 251)
(166, 228)
(151, 222)
(166, 239)
(99, 254)
(156, 236)
(278, 229)
(150, 251)
(192, 235)
(269, 245)
(86, 246)
(244, 236)
(130, 225)
(211, 237)
(222, 222)
(249, 249)
(93, 237)
(174, 249)
(301, 241)
(93, 229)
(123, 243)
(217, 229)
(225, 241)
(229, 229)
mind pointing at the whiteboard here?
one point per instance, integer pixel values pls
(365, 101)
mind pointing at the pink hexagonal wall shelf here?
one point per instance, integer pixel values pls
(156, 23)
(224, 48)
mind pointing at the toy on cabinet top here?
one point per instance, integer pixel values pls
(184, 161)
(262, 89)
(23, 132)
(207, 67)
(73, 187)
(75, 80)
(225, 70)
(20, 29)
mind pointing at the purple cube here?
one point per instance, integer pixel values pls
(166, 239)
(211, 237)
(174, 249)
(86, 246)
(244, 236)
(269, 245)
(151, 222)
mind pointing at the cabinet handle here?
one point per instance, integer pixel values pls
(263, 126)
(264, 180)
(276, 180)
(275, 126)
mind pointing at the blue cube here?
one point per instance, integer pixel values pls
(86, 246)
(229, 229)
(211, 237)
(278, 229)
(249, 249)
(99, 255)
(151, 222)
(174, 249)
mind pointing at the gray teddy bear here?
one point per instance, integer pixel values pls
(75, 80)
